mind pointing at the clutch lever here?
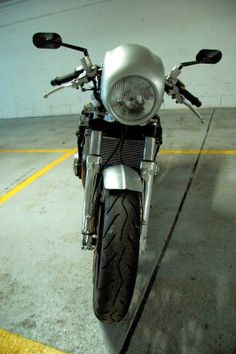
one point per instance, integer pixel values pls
(57, 89)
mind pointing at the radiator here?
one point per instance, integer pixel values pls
(128, 152)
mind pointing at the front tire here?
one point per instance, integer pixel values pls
(116, 255)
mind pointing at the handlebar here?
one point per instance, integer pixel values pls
(191, 98)
(177, 89)
(66, 78)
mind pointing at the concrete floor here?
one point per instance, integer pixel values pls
(185, 296)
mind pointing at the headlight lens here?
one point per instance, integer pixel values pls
(132, 99)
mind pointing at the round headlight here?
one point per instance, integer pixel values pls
(132, 99)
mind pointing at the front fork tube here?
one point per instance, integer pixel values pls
(93, 165)
(148, 171)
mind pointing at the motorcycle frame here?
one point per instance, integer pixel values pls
(118, 177)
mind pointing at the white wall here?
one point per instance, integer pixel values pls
(175, 30)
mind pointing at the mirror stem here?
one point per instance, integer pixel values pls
(188, 63)
(80, 49)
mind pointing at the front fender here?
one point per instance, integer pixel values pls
(122, 177)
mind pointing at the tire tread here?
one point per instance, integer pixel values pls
(115, 275)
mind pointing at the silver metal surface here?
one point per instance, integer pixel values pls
(93, 164)
(95, 143)
(173, 76)
(132, 59)
(75, 164)
(150, 149)
(122, 177)
(86, 146)
(147, 174)
(86, 63)
(89, 242)
(57, 89)
(197, 114)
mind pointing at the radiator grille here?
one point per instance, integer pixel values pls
(128, 152)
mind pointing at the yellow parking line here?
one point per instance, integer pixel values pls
(204, 152)
(11, 343)
(164, 152)
(69, 152)
(35, 176)
(12, 151)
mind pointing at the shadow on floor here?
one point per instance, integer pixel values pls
(191, 307)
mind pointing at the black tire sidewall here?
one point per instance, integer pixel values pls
(116, 255)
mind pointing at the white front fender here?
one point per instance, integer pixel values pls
(122, 177)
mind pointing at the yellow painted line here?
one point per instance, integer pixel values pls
(218, 152)
(11, 343)
(203, 152)
(35, 176)
(164, 152)
(70, 152)
(12, 151)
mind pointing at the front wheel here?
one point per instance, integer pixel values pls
(116, 255)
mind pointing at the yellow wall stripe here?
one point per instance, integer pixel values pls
(35, 176)
(11, 343)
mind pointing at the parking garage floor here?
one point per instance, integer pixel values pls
(185, 295)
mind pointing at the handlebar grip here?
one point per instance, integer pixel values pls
(193, 99)
(66, 78)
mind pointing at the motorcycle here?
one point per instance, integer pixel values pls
(119, 137)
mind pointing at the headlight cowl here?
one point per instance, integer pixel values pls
(132, 86)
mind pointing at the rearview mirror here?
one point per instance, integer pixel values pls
(47, 40)
(209, 56)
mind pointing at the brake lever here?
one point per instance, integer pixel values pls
(174, 93)
(197, 114)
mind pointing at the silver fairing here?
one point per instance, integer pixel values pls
(132, 59)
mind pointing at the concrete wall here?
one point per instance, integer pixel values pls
(175, 30)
